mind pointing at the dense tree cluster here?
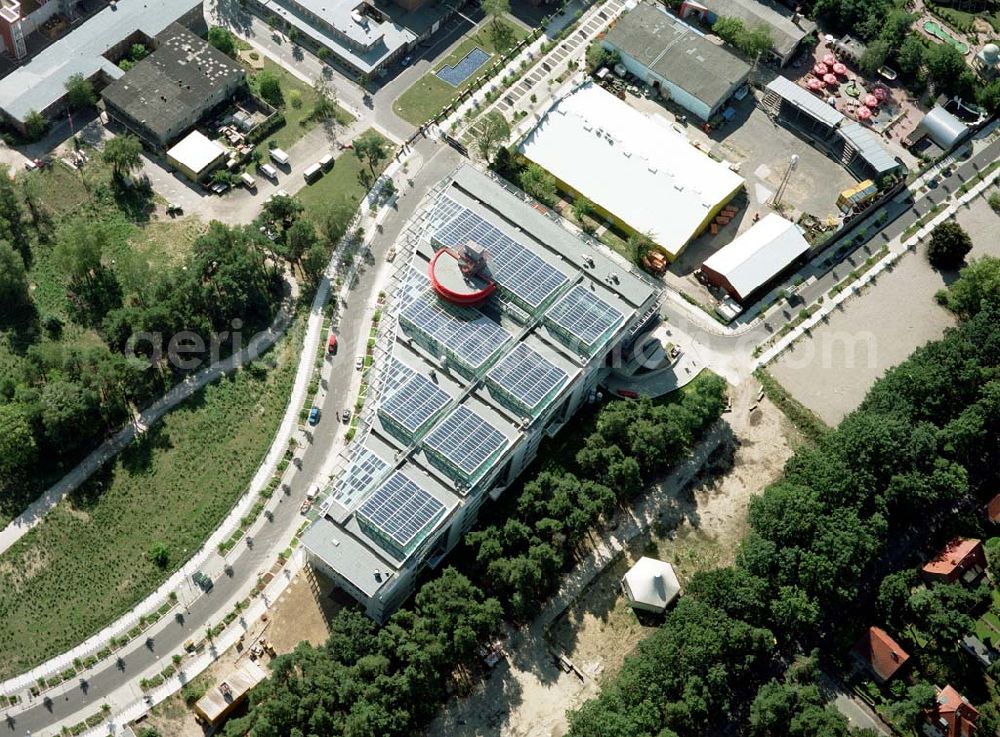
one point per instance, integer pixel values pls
(823, 534)
(388, 681)
(368, 680)
(521, 557)
(58, 397)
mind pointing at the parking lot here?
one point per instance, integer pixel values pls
(831, 370)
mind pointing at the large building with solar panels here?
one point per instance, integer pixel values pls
(500, 327)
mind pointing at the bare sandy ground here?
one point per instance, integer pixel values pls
(528, 696)
(832, 370)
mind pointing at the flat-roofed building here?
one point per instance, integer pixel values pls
(787, 28)
(676, 59)
(461, 396)
(360, 36)
(640, 172)
(755, 257)
(167, 93)
(196, 156)
(91, 50)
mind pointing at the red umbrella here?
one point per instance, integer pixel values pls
(840, 69)
(871, 101)
(820, 69)
(864, 113)
(830, 79)
(829, 59)
(815, 84)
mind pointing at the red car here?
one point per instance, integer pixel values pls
(331, 345)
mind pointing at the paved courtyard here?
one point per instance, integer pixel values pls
(832, 370)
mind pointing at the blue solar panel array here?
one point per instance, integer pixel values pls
(364, 469)
(413, 404)
(514, 267)
(526, 377)
(584, 317)
(398, 511)
(465, 440)
(464, 332)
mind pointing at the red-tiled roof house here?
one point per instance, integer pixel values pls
(878, 653)
(952, 715)
(961, 559)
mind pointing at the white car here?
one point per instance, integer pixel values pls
(313, 492)
(359, 363)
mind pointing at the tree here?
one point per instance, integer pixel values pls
(495, 9)
(910, 57)
(491, 133)
(269, 87)
(948, 246)
(79, 92)
(159, 554)
(874, 58)
(639, 245)
(325, 107)
(977, 284)
(124, 154)
(18, 449)
(138, 52)
(729, 29)
(281, 211)
(300, 239)
(910, 710)
(223, 40)
(372, 147)
(582, 208)
(79, 249)
(539, 184)
(946, 66)
(598, 56)
(314, 262)
(336, 220)
(15, 298)
(35, 125)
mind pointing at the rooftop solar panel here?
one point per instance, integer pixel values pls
(397, 374)
(527, 377)
(513, 265)
(584, 316)
(464, 332)
(414, 403)
(400, 510)
(364, 468)
(466, 440)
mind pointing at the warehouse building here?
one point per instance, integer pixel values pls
(166, 94)
(196, 156)
(755, 257)
(677, 60)
(462, 392)
(91, 49)
(640, 173)
(788, 29)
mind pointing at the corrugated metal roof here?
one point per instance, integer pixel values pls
(806, 101)
(869, 146)
(944, 128)
(758, 255)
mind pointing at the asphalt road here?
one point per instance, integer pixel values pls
(245, 562)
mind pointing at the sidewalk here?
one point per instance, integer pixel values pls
(37, 510)
(127, 701)
(897, 248)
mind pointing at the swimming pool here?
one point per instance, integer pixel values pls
(938, 32)
(466, 67)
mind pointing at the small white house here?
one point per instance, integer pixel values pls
(651, 585)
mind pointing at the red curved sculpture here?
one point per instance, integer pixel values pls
(466, 298)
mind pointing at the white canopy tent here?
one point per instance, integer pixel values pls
(651, 585)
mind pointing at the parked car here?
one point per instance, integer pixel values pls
(345, 416)
(314, 416)
(174, 209)
(268, 171)
(407, 60)
(202, 581)
(278, 156)
(248, 181)
(326, 162)
(313, 492)
(331, 345)
(359, 363)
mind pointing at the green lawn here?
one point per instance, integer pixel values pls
(298, 119)
(425, 98)
(341, 181)
(88, 562)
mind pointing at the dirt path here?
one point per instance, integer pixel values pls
(528, 696)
